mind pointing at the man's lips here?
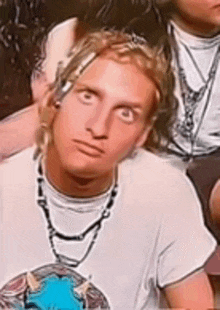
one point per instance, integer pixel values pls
(93, 149)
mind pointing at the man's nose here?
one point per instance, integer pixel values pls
(99, 124)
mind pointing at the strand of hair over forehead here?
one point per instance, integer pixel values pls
(101, 41)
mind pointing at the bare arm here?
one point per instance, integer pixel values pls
(192, 293)
(215, 204)
(17, 131)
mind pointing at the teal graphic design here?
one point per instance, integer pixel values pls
(56, 294)
(51, 287)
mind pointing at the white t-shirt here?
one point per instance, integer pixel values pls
(72, 217)
(154, 236)
(196, 56)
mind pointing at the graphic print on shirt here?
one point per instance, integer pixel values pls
(51, 287)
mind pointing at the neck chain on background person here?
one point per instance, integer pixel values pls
(190, 97)
(95, 226)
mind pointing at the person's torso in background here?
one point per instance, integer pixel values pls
(196, 57)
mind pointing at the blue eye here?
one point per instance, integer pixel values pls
(126, 114)
(86, 97)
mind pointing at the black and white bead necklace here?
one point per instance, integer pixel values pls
(95, 226)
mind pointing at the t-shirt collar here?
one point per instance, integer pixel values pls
(194, 42)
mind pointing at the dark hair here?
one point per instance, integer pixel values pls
(166, 9)
(23, 26)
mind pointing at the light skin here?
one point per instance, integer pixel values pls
(99, 123)
(192, 293)
(17, 132)
(198, 17)
(215, 204)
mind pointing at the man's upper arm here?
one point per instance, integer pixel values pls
(184, 242)
(194, 293)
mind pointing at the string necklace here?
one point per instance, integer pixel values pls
(190, 97)
(194, 62)
(95, 226)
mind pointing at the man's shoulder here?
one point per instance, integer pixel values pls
(154, 181)
(146, 163)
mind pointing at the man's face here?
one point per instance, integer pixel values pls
(103, 118)
(203, 15)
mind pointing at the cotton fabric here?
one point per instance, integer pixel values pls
(154, 237)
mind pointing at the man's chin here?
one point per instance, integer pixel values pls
(83, 171)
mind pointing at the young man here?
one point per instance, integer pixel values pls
(104, 206)
(194, 28)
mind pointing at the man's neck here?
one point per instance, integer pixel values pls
(74, 185)
(199, 30)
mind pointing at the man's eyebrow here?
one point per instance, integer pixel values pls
(92, 89)
(135, 105)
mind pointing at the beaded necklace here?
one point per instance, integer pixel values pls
(190, 97)
(95, 226)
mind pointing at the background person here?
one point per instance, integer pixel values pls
(194, 29)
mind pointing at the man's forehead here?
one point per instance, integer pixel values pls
(125, 71)
(117, 55)
(102, 65)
